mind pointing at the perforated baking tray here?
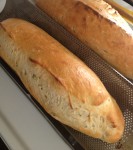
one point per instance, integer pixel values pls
(118, 86)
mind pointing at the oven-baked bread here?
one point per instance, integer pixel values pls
(65, 87)
(97, 25)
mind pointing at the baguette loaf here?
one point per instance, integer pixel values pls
(97, 25)
(65, 87)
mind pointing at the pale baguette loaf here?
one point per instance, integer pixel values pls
(97, 25)
(65, 87)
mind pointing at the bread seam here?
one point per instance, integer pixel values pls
(56, 78)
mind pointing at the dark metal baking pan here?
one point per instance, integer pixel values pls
(119, 87)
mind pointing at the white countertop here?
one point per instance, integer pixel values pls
(2, 4)
(21, 124)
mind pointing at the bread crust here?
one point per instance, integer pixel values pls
(97, 25)
(64, 86)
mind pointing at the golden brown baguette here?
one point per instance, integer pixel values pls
(97, 25)
(65, 87)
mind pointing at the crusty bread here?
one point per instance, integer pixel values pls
(97, 25)
(65, 87)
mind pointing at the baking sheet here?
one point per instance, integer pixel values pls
(119, 87)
